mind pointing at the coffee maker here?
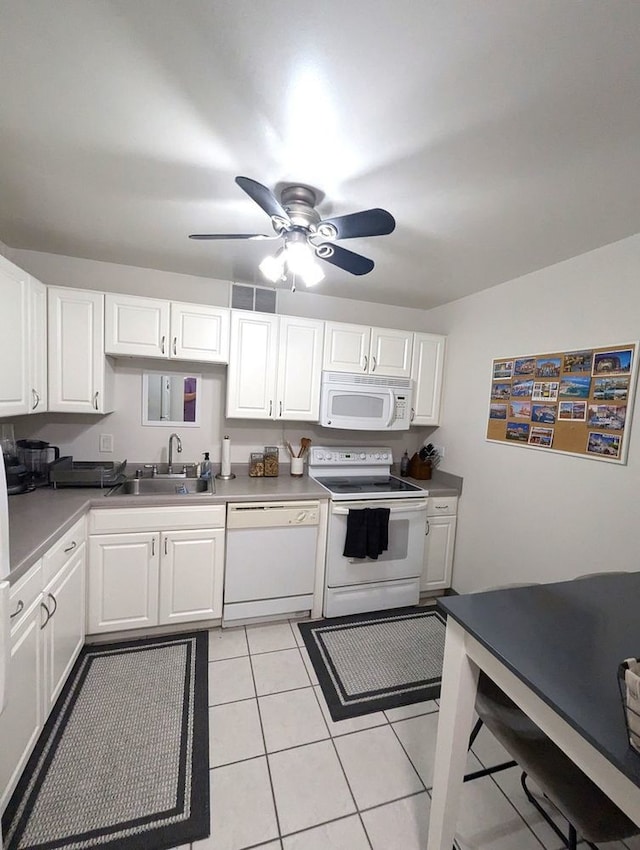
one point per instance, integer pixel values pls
(36, 456)
(16, 472)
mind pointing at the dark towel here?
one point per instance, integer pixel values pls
(367, 533)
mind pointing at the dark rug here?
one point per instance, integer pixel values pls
(373, 662)
(123, 761)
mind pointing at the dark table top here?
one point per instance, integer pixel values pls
(565, 641)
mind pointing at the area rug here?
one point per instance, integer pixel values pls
(123, 761)
(373, 662)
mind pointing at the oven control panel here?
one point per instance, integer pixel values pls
(350, 456)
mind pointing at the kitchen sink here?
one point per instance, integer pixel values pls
(164, 487)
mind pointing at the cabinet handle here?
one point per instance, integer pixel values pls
(42, 605)
(36, 398)
(374, 363)
(280, 408)
(162, 344)
(55, 603)
(19, 608)
(270, 406)
(153, 545)
(95, 399)
(428, 529)
(175, 345)
(413, 414)
(366, 363)
(166, 552)
(72, 547)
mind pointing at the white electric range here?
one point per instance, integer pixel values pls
(359, 477)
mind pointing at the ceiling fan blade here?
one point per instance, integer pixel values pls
(263, 197)
(347, 260)
(375, 222)
(230, 236)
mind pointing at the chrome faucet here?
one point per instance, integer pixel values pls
(179, 448)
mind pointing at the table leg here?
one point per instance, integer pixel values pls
(457, 701)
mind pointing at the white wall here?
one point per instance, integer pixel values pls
(528, 514)
(79, 435)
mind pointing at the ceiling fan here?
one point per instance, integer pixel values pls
(306, 235)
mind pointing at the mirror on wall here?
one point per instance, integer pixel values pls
(170, 399)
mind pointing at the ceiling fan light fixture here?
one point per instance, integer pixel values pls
(300, 259)
(272, 267)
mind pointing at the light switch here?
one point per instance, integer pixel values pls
(105, 443)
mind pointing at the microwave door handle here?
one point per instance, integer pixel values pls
(392, 408)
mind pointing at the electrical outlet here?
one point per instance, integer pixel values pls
(105, 443)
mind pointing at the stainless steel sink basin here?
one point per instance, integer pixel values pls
(164, 487)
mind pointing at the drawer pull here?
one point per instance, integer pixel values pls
(19, 608)
(72, 547)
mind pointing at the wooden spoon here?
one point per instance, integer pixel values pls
(305, 442)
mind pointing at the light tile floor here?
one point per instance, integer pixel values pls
(284, 776)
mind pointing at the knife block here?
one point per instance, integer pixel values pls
(420, 469)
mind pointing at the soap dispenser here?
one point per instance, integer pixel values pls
(205, 466)
(404, 465)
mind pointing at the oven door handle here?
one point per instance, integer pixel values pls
(419, 507)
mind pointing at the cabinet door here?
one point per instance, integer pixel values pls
(123, 582)
(346, 347)
(136, 326)
(15, 392)
(63, 633)
(191, 575)
(38, 345)
(21, 721)
(438, 553)
(77, 367)
(426, 371)
(251, 377)
(299, 369)
(199, 333)
(390, 352)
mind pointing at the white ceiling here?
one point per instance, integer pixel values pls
(503, 135)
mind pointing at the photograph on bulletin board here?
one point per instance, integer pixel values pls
(575, 402)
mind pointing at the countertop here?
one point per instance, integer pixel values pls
(39, 518)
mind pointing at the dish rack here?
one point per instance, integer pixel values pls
(67, 472)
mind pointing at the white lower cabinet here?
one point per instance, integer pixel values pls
(439, 543)
(47, 633)
(168, 571)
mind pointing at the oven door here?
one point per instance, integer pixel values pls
(358, 408)
(404, 556)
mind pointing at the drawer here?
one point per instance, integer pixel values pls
(23, 594)
(441, 505)
(113, 520)
(62, 550)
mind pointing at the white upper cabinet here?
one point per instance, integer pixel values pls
(15, 392)
(80, 376)
(199, 333)
(274, 367)
(299, 369)
(371, 351)
(150, 327)
(38, 346)
(251, 377)
(426, 372)
(136, 326)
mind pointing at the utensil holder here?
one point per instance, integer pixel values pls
(297, 467)
(420, 469)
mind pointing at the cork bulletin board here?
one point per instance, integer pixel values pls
(577, 402)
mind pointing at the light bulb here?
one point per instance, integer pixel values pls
(313, 274)
(299, 257)
(272, 267)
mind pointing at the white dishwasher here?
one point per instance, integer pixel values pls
(271, 558)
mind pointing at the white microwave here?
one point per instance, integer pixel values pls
(365, 403)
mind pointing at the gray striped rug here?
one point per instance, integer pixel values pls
(123, 759)
(373, 662)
